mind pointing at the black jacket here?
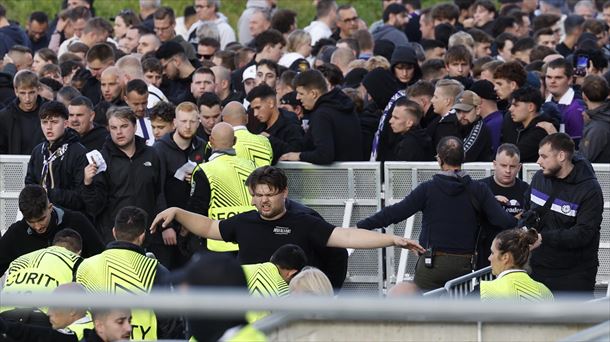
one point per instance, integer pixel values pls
(333, 132)
(64, 175)
(136, 181)
(20, 332)
(414, 145)
(571, 228)
(449, 221)
(102, 107)
(285, 136)
(95, 138)
(176, 191)
(20, 239)
(13, 120)
(477, 142)
(595, 142)
(528, 138)
(442, 127)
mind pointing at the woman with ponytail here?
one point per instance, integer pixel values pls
(510, 251)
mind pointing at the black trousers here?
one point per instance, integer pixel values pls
(576, 281)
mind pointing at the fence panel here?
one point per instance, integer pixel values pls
(12, 175)
(343, 193)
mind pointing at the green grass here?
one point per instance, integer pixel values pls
(368, 10)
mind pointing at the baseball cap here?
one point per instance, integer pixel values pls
(485, 90)
(300, 65)
(249, 73)
(290, 99)
(168, 50)
(467, 101)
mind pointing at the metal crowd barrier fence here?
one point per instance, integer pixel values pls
(12, 175)
(343, 193)
(461, 287)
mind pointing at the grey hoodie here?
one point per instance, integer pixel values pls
(392, 34)
(595, 142)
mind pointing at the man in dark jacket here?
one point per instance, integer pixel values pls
(334, 128)
(175, 150)
(20, 130)
(450, 204)
(58, 163)
(524, 111)
(567, 260)
(414, 143)
(41, 221)
(92, 135)
(133, 176)
(595, 143)
(446, 123)
(472, 130)
(111, 94)
(284, 135)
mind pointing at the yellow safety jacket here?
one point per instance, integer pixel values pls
(229, 195)
(264, 280)
(253, 147)
(515, 285)
(123, 271)
(40, 271)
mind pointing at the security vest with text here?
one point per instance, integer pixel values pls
(40, 271)
(123, 271)
(229, 195)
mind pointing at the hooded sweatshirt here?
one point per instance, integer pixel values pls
(449, 221)
(20, 131)
(392, 34)
(59, 168)
(334, 130)
(225, 31)
(12, 35)
(95, 138)
(570, 229)
(405, 55)
(595, 143)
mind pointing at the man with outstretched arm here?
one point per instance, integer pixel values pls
(261, 232)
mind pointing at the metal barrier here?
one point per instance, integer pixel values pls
(400, 179)
(12, 175)
(343, 193)
(600, 332)
(602, 171)
(461, 287)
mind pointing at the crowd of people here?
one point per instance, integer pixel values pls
(152, 139)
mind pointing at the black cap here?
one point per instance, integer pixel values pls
(354, 78)
(290, 99)
(168, 50)
(485, 90)
(300, 65)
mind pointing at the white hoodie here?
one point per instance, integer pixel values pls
(227, 35)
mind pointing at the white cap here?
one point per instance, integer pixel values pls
(249, 73)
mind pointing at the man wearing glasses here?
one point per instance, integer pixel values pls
(347, 22)
(165, 25)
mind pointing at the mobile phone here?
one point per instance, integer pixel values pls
(582, 63)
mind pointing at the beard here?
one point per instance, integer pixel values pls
(551, 172)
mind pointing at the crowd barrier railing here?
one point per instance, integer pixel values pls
(461, 287)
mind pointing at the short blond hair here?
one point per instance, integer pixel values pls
(311, 281)
(187, 107)
(377, 62)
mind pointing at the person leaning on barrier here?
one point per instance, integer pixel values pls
(42, 271)
(41, 222)
(568, 202)
(451, 204)
(260, 233)
(68, 324)
(510, 251)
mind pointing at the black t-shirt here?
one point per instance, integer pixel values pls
(258, 239)
(515, 194)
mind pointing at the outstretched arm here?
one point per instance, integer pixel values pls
(362, 238)
(197, 224)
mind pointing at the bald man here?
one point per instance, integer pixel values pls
(112, 88)
(253, 147)
(218, 187)
(130, 68)
(223, 86)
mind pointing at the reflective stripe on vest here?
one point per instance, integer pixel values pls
(229, 195)
(264, 280)
(40, 271)
(253, 147)
(79, 326)
(121, 271)
(516, 286)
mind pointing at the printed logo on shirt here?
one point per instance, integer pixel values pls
(281, 230)
(147, 163)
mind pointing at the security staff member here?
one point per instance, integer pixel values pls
(124, 268)
(450, 203)
(42, 271)
(253, 147)
(218, 187)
